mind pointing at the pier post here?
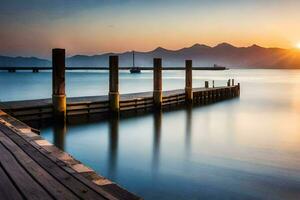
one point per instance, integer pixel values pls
(157, 82)
(232, 82)
(206, 84)
(58, 85)
(228, 82)
(114, 97)
(189, 81)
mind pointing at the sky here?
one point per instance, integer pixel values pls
(34, 27)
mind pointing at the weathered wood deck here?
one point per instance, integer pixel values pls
(42, 108)
(31, 168)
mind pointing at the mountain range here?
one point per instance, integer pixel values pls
(223, 54)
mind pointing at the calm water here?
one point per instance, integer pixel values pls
(246, 148)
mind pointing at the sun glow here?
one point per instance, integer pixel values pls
(298, 45)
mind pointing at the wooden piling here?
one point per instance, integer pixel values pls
(189, 81)
(157, 82)
(114, 97)
(232, 82)
(206, 84)
(58, 84)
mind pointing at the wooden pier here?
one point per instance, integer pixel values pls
(32, 168)
(43, 108)
(60, 107)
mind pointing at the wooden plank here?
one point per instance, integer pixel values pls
(98, 105)
(91, 102)
(7, 188)
(135, 103)
(34, 117)
(120, 192)
(31, 111)
(137, 99)
(89, 99)
(55, 188)
(83, 112)
(99, 110)
(79, 176)
(136, 107)
(174, 98)
(40, 103)
(174, 101)
(28, 186)
(54, 169)
(85, 107)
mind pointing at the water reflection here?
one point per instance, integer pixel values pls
(230, 121)
(60, 137)
(188, 130)
(157, 119)
(246, 148)
(113, 145)
(60, 131)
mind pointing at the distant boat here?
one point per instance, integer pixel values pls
(215, 66)
(220, 67)
(134, 69)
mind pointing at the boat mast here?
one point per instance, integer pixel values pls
(133, 64)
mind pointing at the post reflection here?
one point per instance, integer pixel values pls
(60, 130)
(113, 145)
(188, 130)
(156, 139)
(230, 124)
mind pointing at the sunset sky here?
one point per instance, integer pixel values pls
(33, 27)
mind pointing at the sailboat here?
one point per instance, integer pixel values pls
(134, 69)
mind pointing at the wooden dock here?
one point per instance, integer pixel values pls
(43, 109)
(32, 168)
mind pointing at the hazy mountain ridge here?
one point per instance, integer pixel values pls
(6, 61)
(202, 55)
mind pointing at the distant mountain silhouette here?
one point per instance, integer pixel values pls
(223, 54)
(6, 61)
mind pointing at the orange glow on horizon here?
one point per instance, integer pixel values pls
(145, 26)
